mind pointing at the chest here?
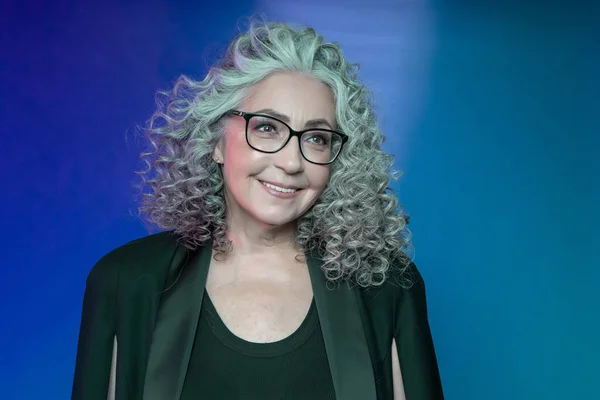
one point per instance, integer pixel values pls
(353, 326)
(260, 304)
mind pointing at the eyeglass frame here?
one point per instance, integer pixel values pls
(248, 115)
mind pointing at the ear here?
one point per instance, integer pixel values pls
(219, 151)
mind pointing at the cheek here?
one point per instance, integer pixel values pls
(319, 177)
(239, 159)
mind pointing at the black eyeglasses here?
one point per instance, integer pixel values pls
(268, 134)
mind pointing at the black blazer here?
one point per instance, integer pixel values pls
(145, 294)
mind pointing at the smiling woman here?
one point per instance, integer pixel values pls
(261, 149)
(284, 271)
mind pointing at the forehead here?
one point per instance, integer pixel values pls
(299, 96)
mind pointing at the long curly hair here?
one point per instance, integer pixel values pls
(356, 226)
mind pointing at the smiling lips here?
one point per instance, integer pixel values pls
(277, 185)
(280, 191)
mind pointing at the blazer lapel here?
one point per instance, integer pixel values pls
(175, 327)
(344, 336)
(177, 320)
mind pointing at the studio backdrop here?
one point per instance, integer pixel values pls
(493, 115)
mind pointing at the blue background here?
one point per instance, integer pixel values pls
(492, 111)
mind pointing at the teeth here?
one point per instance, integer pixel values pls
(279, 189)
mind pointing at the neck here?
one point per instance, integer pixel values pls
(250, 237)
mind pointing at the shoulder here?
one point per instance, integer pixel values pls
(386, 301)
(148, 255)
(402, 277)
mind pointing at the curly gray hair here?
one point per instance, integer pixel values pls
(357, 225)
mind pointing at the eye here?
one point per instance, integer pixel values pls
(265, 127)
(318, 139)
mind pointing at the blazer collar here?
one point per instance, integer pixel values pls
(179, 310)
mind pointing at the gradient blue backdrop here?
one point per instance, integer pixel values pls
(492, 111)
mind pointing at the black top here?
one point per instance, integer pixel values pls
(225, 366)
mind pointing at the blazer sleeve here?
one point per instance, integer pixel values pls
(96, 334)
(418, 362)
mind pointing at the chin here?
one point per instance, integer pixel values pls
(275, 220)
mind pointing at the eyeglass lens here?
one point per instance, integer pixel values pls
(268, 134)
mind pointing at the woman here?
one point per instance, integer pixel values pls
(283, 271)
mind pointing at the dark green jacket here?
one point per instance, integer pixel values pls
(148, 295)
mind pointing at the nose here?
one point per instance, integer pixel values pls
(289, 158)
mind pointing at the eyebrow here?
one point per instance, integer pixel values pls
(313, 123)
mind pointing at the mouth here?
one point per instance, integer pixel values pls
(280, 189)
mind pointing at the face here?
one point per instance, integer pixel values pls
(296, 99)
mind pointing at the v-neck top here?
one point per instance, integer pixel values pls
(225, 366)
